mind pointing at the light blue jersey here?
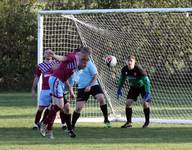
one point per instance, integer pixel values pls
(86, 75)
(71, 80)
(57, 88)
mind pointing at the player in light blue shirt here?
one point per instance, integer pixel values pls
(65, 114)
(86, 76)
(88, 85)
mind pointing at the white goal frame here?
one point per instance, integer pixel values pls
(71, 12)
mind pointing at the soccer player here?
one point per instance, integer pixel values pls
(69, 64)
(139, 84)
(88, 85)
(65, 113)
(44, 68)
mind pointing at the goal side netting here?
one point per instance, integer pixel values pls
(161, 40)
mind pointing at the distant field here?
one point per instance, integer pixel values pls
(17, 115)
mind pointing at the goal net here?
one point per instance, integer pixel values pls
(161, 39)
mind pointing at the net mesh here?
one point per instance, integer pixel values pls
(161, 42)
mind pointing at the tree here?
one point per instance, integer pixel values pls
(18, 27)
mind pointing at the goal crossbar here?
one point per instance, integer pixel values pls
(132, 10)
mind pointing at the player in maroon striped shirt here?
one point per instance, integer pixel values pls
(44, 69)
(69, 64)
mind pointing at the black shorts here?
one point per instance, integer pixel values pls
(84, 96)
(135, 91)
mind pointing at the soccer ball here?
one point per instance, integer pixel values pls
(110, 60)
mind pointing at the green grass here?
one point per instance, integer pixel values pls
(17, 115)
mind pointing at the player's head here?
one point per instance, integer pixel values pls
(131, 61)
(46, 54)
(84, 55)
(77, 50)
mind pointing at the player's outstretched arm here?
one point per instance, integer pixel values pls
(55, 56)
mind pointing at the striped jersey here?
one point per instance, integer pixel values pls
(67, 68)
(45, 68)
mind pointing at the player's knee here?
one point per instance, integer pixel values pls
(78, 109)
(79, 106)
(67, 106)
(100, 99)
(66, 110)
(129, 103)
(101, 102)
(145, 105)
(41, 108)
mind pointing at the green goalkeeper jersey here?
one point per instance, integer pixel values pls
(137, 77)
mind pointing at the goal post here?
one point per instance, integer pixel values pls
(160, 38)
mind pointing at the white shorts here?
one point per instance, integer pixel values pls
(45, 98)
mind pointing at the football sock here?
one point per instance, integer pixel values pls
(74, 118)
(51, 116)
(62, 116)
(147, 113)
(105, 113)
(68, 120)
(38, 116)
(46, 112)
(128, 114)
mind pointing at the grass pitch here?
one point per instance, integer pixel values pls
(17, 115)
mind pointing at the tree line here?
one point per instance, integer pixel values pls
(18, 28)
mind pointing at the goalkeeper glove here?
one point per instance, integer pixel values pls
(147, 96)
(119, 92)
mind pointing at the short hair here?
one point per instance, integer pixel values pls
(46, 49)
(131, 57)
(77, 50)
(86, 50)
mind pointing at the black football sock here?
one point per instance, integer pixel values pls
(38, 116)
(68, 120)
(105, 112)
(129, 114)
(147, 114)
(75, 118)
(62, 116)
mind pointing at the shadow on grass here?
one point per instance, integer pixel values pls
(98, 135)
(17, 116)
(17, 100)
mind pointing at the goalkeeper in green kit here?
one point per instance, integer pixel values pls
(139, 84)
